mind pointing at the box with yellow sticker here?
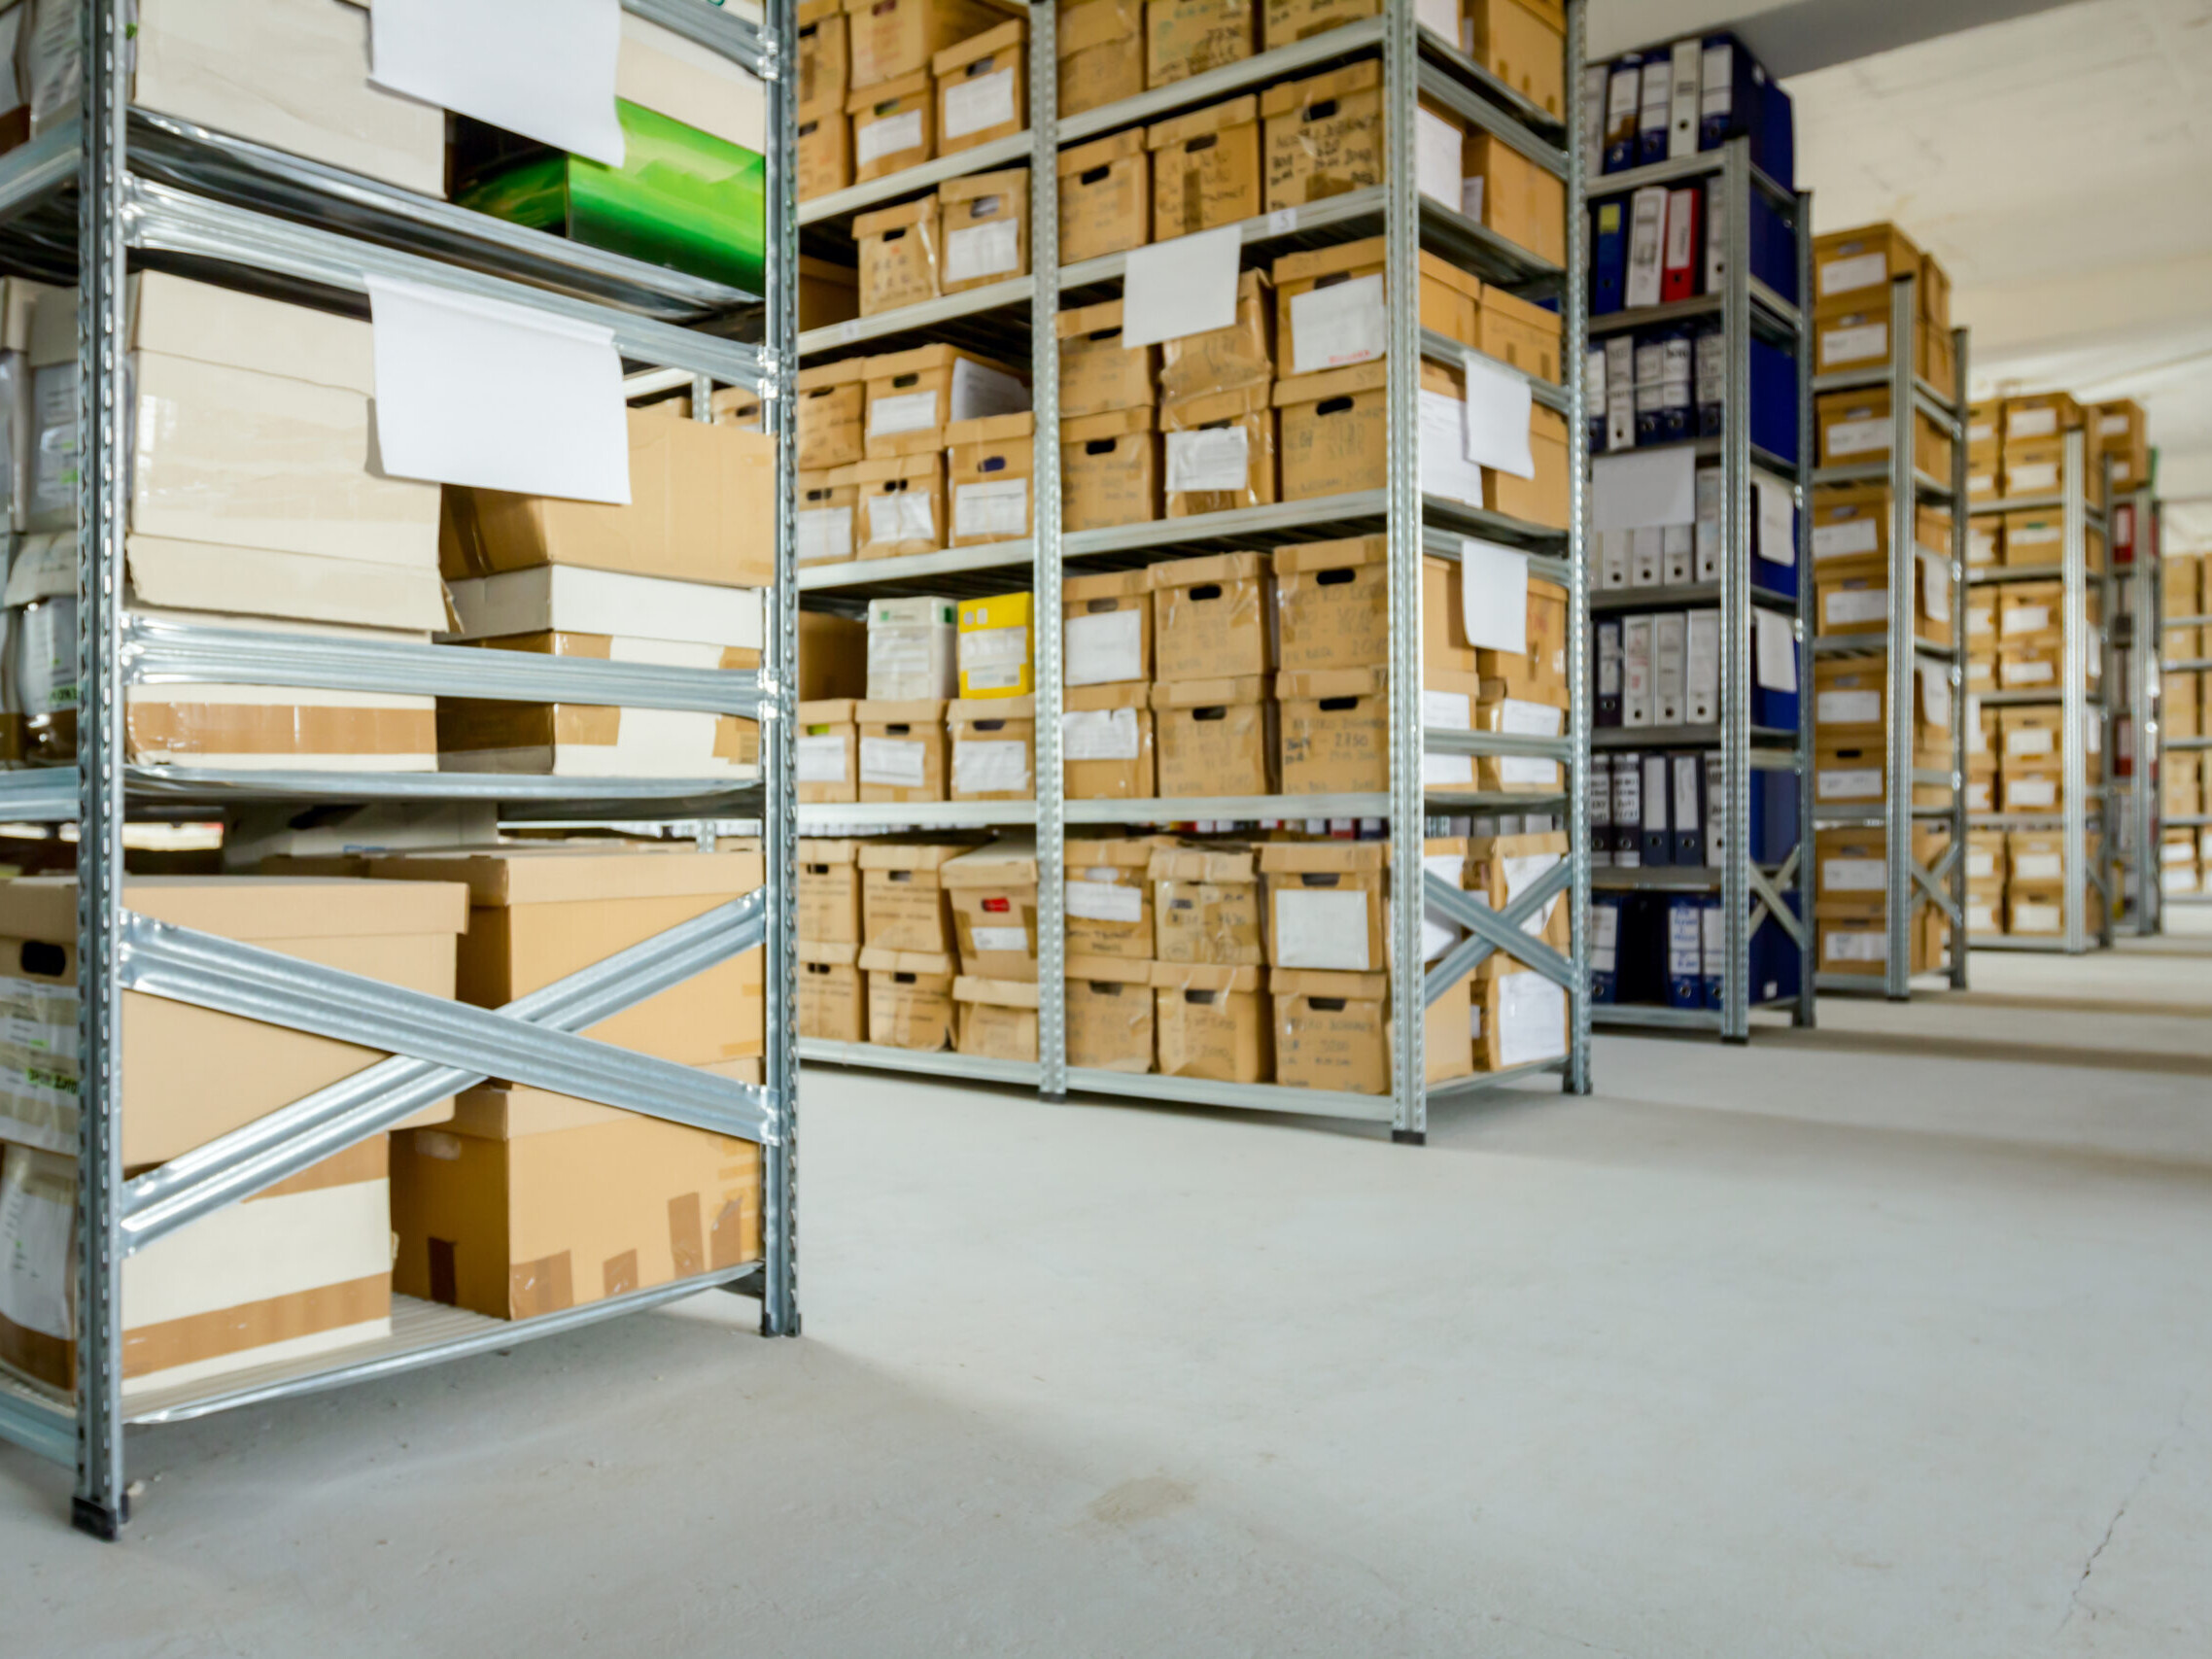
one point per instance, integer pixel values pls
(997, 653)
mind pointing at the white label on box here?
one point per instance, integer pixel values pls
(541, 68)
(1935, 587)
(825, 534)
(998, 507)
(2037, 480)
(1102, 901)
(2023, 619)
(1935, 694)
(1981, 432)
(1848, 707)
(1855, 946)
(1859, 438)
(904, 515)
(1850, 606)
(979, 393)
(1858, 784)
(1437, 148)
(986, 101)
(822, 760)
(1866, 343)
(1860, 271)
(2018, 674)
(981, 647)
(893, 761)
(1104, 648)
(2031, 794)
(904, 412)
(1439, 770)
(874, 140)
(1447, 710)
(1333, 327)
(2177, 853)
(2179, 880)
(2032, 423)
(1982, 619)
(2040, 867)
(1099, 734)
(1980, 864)
(992, 248)
(1531, 719)
(1980, 915)
(2037, 918)
(997, 940)
(38, 1225)
(1980, 545)
(1518, 769)
(1852, 875)
(1531, 1020)
(1470, 197)
(1519, 873)
(1216, 459)
(1775, 656)
(991, 768)
(1319, 929)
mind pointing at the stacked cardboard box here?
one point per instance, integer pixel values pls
(1106, 656)
(1851, 911)
(973, 233)
(885, 87)
(1852, 271)
(907, 959)
(1111, 949)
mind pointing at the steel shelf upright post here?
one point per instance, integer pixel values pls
(1044, 551)
(2144, 582)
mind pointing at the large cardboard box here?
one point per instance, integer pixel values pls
(1101, 49)
(1518, 1016)
(913, 649)
(910, 998)
(1110, 469)
(1106, 741)
(1335, 432)
(1109, 1014)
(894, 37)
(980, 88)
(1331, 1030)
(1338, 293)
(1324, 135)
(822, 517)
(1205, 165)
(825, 51)
(832, 403)
(1105, 198)
(992, 891)
(997, 644)
(828, 745)
(894, 126)
(1512, 329)
(300, 1268)
(1854, 432)
(900, 504)
(1854, 337)
(1511, 197)
(1221, 453)
(1541, 499)
(992, 740)
(191, 1075)
(530, 1202)
(1854, 268)
(1332, 603)
(1522, 42)
(904, 904)
(1212, 1022)
(1109, 897)
(828, 902)
(995, 1019)
(1184, 37)
(824, 164)
(987, 467)
(902, 749)
(701, 507)
(1285, 22)
(1216, 737)
(1206, 906)
(985, 221)
(1097, 372)
(1335, 731)
(900, 255)
(1537, 675)
(1517, 716)
(1106, 627)
(1326, 905)
(2039, 468)
(1210, 617)
(832, 999)
(914, 395)
(1238, 357)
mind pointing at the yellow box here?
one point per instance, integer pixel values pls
(997, 646)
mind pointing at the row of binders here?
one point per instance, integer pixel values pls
(1674, 101)
(1668, 949)
(1667, 809)
(1662, 385)
(1662, 667)
(1663, 243)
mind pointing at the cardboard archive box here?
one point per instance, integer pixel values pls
(1238, 357)
(893, 38)
(1331, 1030)
(1500, 867)
(822, 518)
(995, 1019)
(992, 740)
(1220, 453)
(913, 649)
(828, 903)
(902, 749)
(1105, 198)
(1184, 37)
(987, 467)
(1205, 167)
(914, 395)
(1323, 135)
(828, 750)
(1285, 22)
(1855, 430)
(1518, 1016)
(1214, 737)
(1212, 1022)
(992, 891)
(1332, 603)
(1109, 897)
(1522, 42)
(980, 88)
(1511, 197)
(898, 503)
(1110, 469)
(1339, 292)
(1109, 1014)
(997, 646)
(832, 999)
(901, 261)
(832, 405)
(1334, 727)
(1335, 432)
(904, 906)
(825, 160)
(1206, 906)
(1106, 623)
(1106, 741)
(985, 219)
(825, 51)
(1210, 617)
(1100, 45)
(1327, 906)
(1100, 374)
(910, 998)
(894, 126)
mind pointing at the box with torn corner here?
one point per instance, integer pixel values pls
(1105, 197)
(910, 998)
(902, 749)
(904, 903)
(992, 891)
(901, 257)
(1216, 737)
(980, 88)
(1106, 743)
(1212, 1022)
(1109, 1014)
(992, 740)
(832, 1001)
(1324, 135)
(828, 745)
(529, 1202)
(1206, 906)
(995, 1019)
(1220, 452)
(190, 1074)
(985, 219)
(1326, 905)
(1108, 897)
(915, 394)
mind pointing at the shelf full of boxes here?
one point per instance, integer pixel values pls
(1890, 703)
(2184, 834)
(2039, 789)
(1204, 664)
(2138, 576)
(1701, 599)
(279, 270)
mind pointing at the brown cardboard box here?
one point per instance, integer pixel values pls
(1285, 22)
(2034, 738)
(915, 394)
(1221, 453)
(993, 895)
(1498, 867)
(995, 1019)
(1850, 696)
(2034, 911)
(1205, 166)
(2028, 667)
(1983, 433)
(2031, 537)
(1521, 716)
(1184, 37)
(1847, 774)
(1109, 897)
(1935, 292)
(1852, 596)
(1106, 741)
(2037, 858)
(1854, 938)
(902, 750)
(1335, 432)
(1855, 430)
(825, 53)
(1109, 1014)
(1327, 906)
(1331, 1030)
(1209, 617)
(1101, 48)
(832, 403)
(1110, 469)
(2039, 468)
(910, 998)
(1852, 337)
(828, 905)
(519, 1209)
(1216, 737)
(702, 504)
(1106, 627)
(1515, 331)
(1451, 303)
(832, 999)
(2043, 418)
(987, 468)
(980, 88)
(823, 515)
(1105, 197)
(1332, 603)
(1854, 268)
(827, 293)
(824, 164)
(1513, 197)
(985, 219)
(894, 37)
(833, 656)
(1324, 135)
(1098, 374)
(894, 126)
(1335, 731)
(992, 741)
(903, 902)
(1210, 1022)
(1445, 650)
(2034, 613)
(1538, 674)
(1518, 1016)
(191, 1075)
(1206, 906)
(1239, 357)
(1848, 520)
(1986, 862)
(1521, 43)
(1541, 499)
(899, 256)
(898, 504)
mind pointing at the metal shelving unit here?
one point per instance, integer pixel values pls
(1907, 884)
(88, 203)
(2156, 816)
(1416, 63)
(2083, 807)
(1751, 893)
(2140, 585)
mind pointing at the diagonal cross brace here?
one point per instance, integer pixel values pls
(1769, 903)
(274, 1147)
(1930, 882)
(1494, 930)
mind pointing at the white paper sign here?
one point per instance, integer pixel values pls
(563, 427)
(904, 515)
(893, 761)
(1777, 520)
(1643, 488)
(1214, 461)
(1438, 150)
(542, 68)
(1777, 653)
(1101, 649)
(1445, 469)
(1320, 929)
(1183, 286)
(1335, 328)
(1494, 596)
(1498, 419)
(892, 136)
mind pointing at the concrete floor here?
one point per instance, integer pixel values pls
(1885, 1339)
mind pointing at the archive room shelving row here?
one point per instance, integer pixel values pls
(2086, 919)
(119, 189)
(1017, 318)
(1907, 884)
(1751, 893)
(2146, 514)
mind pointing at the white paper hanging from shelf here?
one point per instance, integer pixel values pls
(541, 68)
